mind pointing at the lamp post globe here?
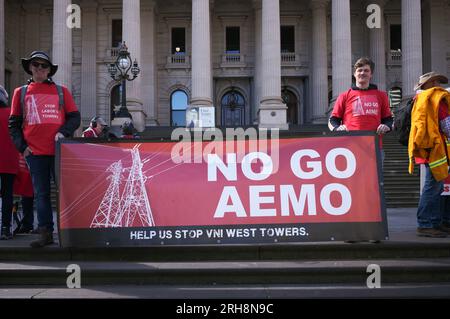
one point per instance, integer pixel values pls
(119, 71)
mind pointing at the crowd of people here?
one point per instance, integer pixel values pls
(42, 112)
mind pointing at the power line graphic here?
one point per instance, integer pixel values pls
(32, 112)
(121, 211)
(134, 199)
(106, 214)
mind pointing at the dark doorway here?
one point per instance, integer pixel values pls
(233, 106)
(178, 40)
(291, 101)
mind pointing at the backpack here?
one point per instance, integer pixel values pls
(402, 121)
(23, 92)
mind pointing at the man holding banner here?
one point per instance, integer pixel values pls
(42, 112)
(363, 107)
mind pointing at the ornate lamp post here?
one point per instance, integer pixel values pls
(119, 72)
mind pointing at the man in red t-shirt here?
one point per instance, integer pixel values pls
(363, 107)
(37, 122)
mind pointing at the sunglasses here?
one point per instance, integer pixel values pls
(42, 65)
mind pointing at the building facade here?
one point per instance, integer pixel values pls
(266, 62)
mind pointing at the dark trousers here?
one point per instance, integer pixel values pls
(28, 212)
(42, 170)
(7, 183)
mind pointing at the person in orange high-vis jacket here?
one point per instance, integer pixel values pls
(430, 130)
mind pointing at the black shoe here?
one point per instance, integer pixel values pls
(444, 228)
(6, 234)
(431, 232)
(45, 238)
(23, 230)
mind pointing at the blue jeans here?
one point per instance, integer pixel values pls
(429, 212)
(42, 170)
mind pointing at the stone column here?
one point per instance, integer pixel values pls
(201, 54)
(411, 45)
(438, 35)
(258, 51)
(378, 48)
(89, 60)
(342, 47)
(2, 42)
(148, 65)
(131, 34)
(31, 34)
(62, 43)
(272, 111)
(319, 61)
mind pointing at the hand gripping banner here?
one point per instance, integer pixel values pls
(120, 194)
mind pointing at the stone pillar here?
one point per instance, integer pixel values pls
(148, 64)
(342, 46)
(62, 43)
(411, 46)
(131, 34)
(31, 34)
(319, 61)
(2, 42)
(201, 54)
(378, 48)
(272, 111)
(438, 35)
(258, 51)
(89, 61)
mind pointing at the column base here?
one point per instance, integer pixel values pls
(273, 116)
(137, 113)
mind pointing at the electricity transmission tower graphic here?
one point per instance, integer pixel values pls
(109, 207)
(32, 112)
(113, 212)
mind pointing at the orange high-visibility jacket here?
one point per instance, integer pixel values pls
(425, 140)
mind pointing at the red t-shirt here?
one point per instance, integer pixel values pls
(42, 116)
(89, 132)
(9, 156)
(362, 109)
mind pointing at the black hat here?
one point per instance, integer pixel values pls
(39, 55)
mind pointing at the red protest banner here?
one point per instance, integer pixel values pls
(151, 186)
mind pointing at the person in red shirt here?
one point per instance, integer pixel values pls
(96, 128)
(38, 120)
(363, 107)
(9, 166)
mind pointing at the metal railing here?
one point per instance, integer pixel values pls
(395, 57)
